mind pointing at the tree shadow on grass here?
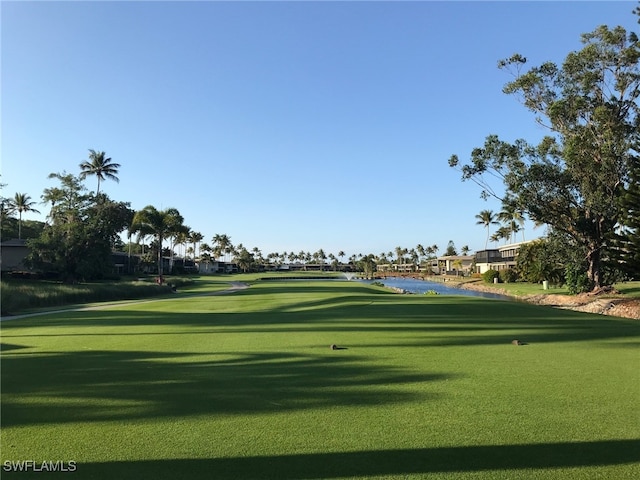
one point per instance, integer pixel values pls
(468, 321)
(418, 461)
(111, 385)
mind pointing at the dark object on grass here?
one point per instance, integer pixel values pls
(335, 347)
(519, 342)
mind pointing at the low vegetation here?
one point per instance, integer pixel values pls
(19, 296)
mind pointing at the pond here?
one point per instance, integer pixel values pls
(414, 285)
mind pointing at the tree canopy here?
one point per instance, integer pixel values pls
(77, 242)
(159, 223)
(573, 179)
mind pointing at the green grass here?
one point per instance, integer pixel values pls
(630, 289)
(245, 386)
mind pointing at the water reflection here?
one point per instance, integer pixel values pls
(413, 285)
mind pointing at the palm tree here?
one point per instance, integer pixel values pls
(501, 233)
(399, 253)
(205, 255)
(159, 223)
(257, 255)
(457, 265)
(22, 203)
(195, 238)
(415, 258)
(178, 237)
(99, 166)
(321, 257)
(334, 261)
(486, 218)
(513, 219)
(222, 244)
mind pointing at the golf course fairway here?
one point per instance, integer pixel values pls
(246, 386)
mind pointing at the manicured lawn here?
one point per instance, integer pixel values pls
(245, 386)
(632, 289)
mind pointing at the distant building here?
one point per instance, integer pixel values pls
(498, 258)
(455, 264)
(12, 255)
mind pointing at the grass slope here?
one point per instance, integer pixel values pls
(245, 386)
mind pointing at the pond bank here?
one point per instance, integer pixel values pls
(616, 305)
(613, 304)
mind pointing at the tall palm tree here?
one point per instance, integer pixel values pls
(321, 256)
(195, 238)
(486, 218)
(22, 203)
(513, 219)
(399, 253)
(503, 233)
(415, 258)
(159, 223)
(222, 244)
(100, 166)
(178, 237)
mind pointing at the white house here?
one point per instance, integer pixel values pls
(498, 258)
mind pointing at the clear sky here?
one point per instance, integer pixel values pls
(286, 125)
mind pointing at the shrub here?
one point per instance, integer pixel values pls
(508, 275)
(577, 280)
(489, 275)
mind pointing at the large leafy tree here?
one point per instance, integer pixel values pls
(77, 242)
(100, 166)
(159, 223)
(573, 178)
(451, 249)
(628, 252)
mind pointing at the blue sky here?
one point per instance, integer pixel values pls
(286, 125)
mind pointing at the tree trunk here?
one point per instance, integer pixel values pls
(160, 258)
(594, 272)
